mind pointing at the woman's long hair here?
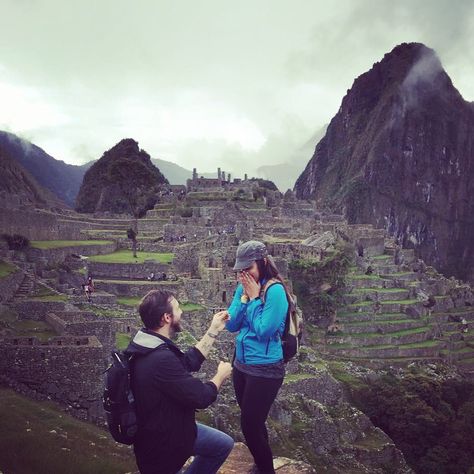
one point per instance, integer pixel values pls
(267, 270)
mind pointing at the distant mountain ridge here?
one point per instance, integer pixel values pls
(19, 189)
(64, 180)
(61, 179)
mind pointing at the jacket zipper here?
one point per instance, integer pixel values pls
(268, 344)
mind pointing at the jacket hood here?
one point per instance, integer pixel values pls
(145, 342)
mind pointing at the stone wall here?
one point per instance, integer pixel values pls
(59, 255)
(36, 225)
(83, 323)
(10, 284)
(68, 370)
(36, 310)
(137, 288)
(128, 271)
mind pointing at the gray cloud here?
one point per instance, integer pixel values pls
(204, 83)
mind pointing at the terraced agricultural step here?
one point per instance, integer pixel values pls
(361, 280)
(348, 317)
(443, 303)
(391, 306)
(407, 336)
(463, 353)
(453, 314)
(466, 364)
(452, 327)
(422, 350)
(382, 327)
(377, 294)
(403, 276)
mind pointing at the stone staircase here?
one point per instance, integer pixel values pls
(387, 319)
(26, 288)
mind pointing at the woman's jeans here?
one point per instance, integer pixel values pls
(211, 449)
(255, 396)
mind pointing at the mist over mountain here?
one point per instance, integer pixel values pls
(399, 154)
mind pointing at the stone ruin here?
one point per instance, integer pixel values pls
(395, 310)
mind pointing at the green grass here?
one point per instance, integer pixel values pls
(137, 282)
(382, 257)
(379, 290)
(135, 300)
(57, 244)
(414, 345)
(29, 328)
(108, 312)
(38, 438)
(364, 277)
(122, 340)
(132, 301)
(403, 332)
(6, 269)
(52, 297)
(400, 302)
(383, 322)
(126, 256)
(42, 290)
(189, 307)
(292, 378)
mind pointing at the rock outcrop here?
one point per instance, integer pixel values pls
(124, 180)
(399, 154)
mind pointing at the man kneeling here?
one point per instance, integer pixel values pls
(167, 395)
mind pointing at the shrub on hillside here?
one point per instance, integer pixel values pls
(16, 241)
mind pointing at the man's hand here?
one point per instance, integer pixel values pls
(251, 287)
(224, 370)
(218, 321)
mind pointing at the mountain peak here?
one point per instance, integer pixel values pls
(124, 179)
(398, 154)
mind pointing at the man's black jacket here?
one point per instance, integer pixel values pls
(166, 397)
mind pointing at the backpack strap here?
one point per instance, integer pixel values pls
(268, 284)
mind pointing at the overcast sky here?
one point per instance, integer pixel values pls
(201, 82)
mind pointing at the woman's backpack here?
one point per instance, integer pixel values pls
(293, 332)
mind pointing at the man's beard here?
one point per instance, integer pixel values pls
(175, 327)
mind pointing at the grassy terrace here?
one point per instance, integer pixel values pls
(57, 244)
(403, 332)
(126, 256)
(382, 257)
(25, 327)
(37, 437)
(122, 340)
(186, 307)
(137, 282)
(47, 298)
(5, 269)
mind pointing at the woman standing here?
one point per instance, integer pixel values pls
(258, 312)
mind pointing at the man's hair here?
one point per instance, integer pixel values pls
(153, 306)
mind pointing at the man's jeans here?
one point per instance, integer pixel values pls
(211, 449)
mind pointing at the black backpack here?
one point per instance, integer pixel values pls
(118, 400)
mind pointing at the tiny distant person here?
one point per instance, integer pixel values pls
(89, 289)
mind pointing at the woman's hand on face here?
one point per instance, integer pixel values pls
(251, 287)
